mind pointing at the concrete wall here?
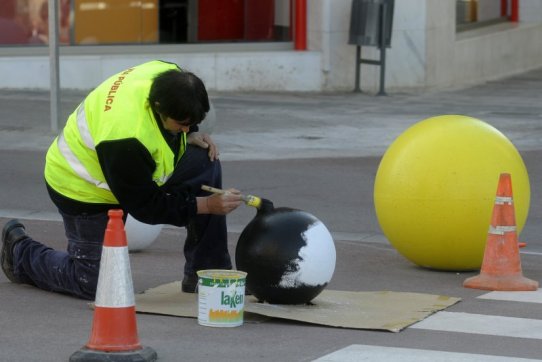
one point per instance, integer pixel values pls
(224, 71)
(493, 55)
(484, 54)
(426, 52)
(530, 11)
(328, 28)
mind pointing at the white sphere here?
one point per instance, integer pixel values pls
(140, 235)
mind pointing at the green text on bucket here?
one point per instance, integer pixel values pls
(231, 300)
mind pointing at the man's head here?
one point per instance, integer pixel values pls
(179, 96)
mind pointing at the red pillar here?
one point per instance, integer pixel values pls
(514, 10)
(300, 23)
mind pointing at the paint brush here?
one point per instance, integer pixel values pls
(250, 200)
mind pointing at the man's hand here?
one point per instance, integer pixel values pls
(219, 204)
(203, 140)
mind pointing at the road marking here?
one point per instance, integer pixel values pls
(534, 296)
(30, 215)
(359, 352)
(530, 252)
(482, 324)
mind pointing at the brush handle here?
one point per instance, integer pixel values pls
(248, 199)
(214, 190)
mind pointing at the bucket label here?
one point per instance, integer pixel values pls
(231, 301)
(221, 297)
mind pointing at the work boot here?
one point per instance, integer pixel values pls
(12, 233)
(190, 284)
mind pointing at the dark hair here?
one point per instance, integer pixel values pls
(180, 95)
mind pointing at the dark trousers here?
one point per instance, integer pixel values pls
(75, 271)
(206, 244)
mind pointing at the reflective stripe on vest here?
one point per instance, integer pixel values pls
(76, 165)
(87, 139)
(71, 158)
(82, 125)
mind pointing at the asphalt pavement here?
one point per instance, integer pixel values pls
(317, 152)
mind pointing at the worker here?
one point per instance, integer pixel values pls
(132, 144)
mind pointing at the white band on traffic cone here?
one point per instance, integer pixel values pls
(500, 230)
(115, 289)
(501, 200)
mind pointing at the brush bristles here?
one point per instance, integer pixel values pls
(253, 201)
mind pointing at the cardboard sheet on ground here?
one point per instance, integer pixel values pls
(384, 310)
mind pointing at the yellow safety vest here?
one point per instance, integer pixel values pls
(117, 109)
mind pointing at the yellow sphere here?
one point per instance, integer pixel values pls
(435, 189)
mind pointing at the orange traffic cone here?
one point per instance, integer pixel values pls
(114, 328)
(501, 267)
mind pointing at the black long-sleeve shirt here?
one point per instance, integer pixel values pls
(128, 167)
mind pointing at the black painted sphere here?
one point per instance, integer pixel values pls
(288, 254)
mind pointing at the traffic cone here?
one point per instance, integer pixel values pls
(114, 328)
(501, 267)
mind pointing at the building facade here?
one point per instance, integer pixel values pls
(250, 45)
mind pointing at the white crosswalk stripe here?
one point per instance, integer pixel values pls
(525, 297)
(490, 325)
(359, 352)
(482, 324)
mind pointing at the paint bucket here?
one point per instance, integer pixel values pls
(221, 297)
